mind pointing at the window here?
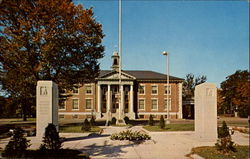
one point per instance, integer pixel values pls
(167, 89)
(75, 90)
(75, 103)
(154, 90)
(62, 104)
(88, 104)
(75, 116)
(154, 104)
(88, 89)
(141, 89)
(169, 104)
(141, 104)
(115, 62)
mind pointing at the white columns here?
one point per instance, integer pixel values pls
(108, 102)
(122, 101)
(180, 100)
(131, 110)
(99, 102)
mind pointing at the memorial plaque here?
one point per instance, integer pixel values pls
(47, 106)
(206, 112)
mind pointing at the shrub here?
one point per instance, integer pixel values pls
(86, 125)
(17, 145)
(162, 122)
(151, 120)
(113, 121)
(126, 119)
(92, 121)
(130, 135)
(51, 140)
(224, 143)
(223, 131)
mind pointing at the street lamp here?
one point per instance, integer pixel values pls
(165, 53)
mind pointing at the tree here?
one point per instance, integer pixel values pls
(47, 40)
(235, 93)
(151, 120)
(162, 122)
(190, 83)
(86, 125)
(223, 131)
(51, 140)
(224, 143)
(220, 105)
(17, 145)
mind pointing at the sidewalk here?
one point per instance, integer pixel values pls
(164, 145)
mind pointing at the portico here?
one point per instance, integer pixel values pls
(109, 96)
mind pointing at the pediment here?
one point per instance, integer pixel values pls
(115, 75)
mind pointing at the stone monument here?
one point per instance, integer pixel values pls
(206, 112)
(47, 106)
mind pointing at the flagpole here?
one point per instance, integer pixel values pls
(120, 53)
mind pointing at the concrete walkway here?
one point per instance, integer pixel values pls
(164, 145)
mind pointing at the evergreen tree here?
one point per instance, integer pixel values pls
(224, 143)
(86, 125)
(223, 131)
(151, 120)
(51, 140)
(17, 144)
(113, 121)
(162, 122)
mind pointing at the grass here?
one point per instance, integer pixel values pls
(171, 127)
(76, 129)
(210, 152)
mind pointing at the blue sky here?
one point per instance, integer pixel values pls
(203, 37)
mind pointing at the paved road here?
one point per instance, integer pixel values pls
(164, 145)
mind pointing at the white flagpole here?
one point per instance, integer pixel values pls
(120, 53)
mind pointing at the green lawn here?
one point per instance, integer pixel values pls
(76, 129)
(171, 127)
(209, 152)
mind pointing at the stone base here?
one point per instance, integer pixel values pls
(120, 122)
(98, 115)
(130, 115)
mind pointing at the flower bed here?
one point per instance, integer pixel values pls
(130, 135)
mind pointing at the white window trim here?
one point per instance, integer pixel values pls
(170, 92)
(64, 106)
(91, 85)
(139, 103)
(144, 89)
(77, 90)
(91, 104)
(78, 103)
(156, 102)
(170, 106)
(152, 89)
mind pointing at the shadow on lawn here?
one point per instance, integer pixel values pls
(107, 150)
(90, 136)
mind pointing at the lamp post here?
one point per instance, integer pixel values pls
(165, 53)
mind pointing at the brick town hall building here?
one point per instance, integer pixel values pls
(143, 93)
